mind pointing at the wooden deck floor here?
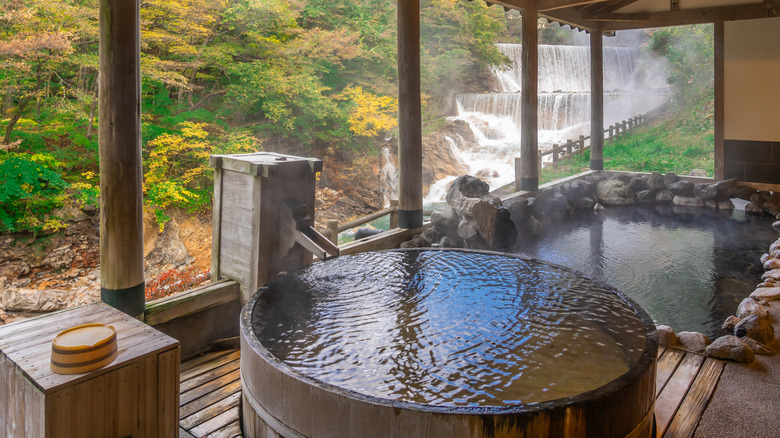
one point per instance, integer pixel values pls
(211, 391)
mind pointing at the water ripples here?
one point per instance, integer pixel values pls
(449, 328)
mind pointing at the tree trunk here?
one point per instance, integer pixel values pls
(15, 118)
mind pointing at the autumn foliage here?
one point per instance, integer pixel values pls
(218, 76)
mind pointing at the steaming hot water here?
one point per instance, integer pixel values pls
(450, 328)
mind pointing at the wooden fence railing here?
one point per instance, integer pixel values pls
(578, 146)
(332, 233)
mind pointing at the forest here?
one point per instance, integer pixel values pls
(230, 76)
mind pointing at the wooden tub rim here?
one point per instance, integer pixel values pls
(635, 372)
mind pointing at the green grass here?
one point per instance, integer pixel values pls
(676, 145)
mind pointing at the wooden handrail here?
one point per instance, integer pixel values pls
(334, 228)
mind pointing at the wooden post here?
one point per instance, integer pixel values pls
(555, 156)
(611, 130)
(333, 229)
(569, 146)
(596, 101)
(529, 175)
(121, 172)
(409, 116)
(720, 105)
(581, 141)
(394, 214)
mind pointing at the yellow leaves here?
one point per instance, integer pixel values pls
(372, 114)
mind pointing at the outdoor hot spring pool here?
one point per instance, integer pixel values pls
(688, 268)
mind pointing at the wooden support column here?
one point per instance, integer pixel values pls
(121, 173)
(409, 116)
(596, 101)
(720, 104)
(529, 171)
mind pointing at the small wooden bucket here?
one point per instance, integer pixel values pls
(83, 348)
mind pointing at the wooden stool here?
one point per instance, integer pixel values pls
(135, 395)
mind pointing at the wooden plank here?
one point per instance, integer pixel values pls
(667, 403)
(168, 393)
(31, 327)
(688, 415)
(196, 300)
(208, 366)
(216, 423)
(665, 367)
(204, 378)
(206, 357)
(6, 368)
(210, 411)
(147, 397)
(216, 225)
(196, 393)
(719, 121)
(184, 434)
(229, 431)
(378, 242)
(62, 412)
(34, 418)
(212, 397)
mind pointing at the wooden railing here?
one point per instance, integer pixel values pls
(578, 146)
(332, 233)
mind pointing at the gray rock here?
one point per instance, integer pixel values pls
(693, 341)
(445, 219)
(576, 190)
(755, 327)
(532, 227)
(538, 206)
(518, 210)
(431, 235)
(711, 204)
(364, 232)
(730, 323)
(598, 207)
(725, 204)
(585, 203)
(417, 242)
(468, 186)
(467, 230)
(731, 348)
(670, 178)
(766, 293)
(656, 182)
(776, 226)
(698, 172)
(772, 208)
(35, 300)
(725, 186)
(561, 205)
(504, 230)
(614, 192)
(447, 242)
(664, 196)
(682, 188)
(753, 208)
(684, 201)
(645, 196)
(756, 346)
(666, 336)
(639, 183)
(749, 306)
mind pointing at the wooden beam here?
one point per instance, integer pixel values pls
(720, 104)
(121, 172)
(610, 6)
(529, 171)
(596, 101)
(610, 16)
(549, 5)
(571, 17)
(409, 116)
(696, 16)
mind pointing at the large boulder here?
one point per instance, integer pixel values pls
(466, 186)
(749, 306)
(614, 192)
(766, 293)
(685, 201)
(706, 192)
(666, 336)
(731, 348)
(445, 219)
(656, 182)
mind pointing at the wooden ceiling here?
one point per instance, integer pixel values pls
(611, 15)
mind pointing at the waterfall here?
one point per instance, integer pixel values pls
(388, 177)
(564, 106)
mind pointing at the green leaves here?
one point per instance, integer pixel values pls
(29, 190)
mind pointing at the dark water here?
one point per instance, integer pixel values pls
(688, 268)
(449, 328)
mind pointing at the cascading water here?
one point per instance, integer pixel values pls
(564, 105)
